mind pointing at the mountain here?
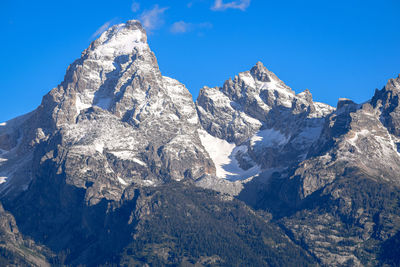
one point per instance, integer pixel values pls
(328, 176)
(113, 121)
(269, 126)
(118, 166)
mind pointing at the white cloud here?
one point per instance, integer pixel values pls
(184, 27)
(240, 4)
(100, 30)
(135, 6)
(181, 27)
(152, 19)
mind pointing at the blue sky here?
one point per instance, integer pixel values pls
(334, 48)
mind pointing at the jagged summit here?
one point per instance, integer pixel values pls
(388, 92)
(259, 78)
(119, 40)
(393, 84)
(262, 74)
(117, 73)
(387, 101)
(249, 100)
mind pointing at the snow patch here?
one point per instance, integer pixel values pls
(235, 172)
(99, 147)
(128, 155)
(104, 103)
(223, 154)
(148, 182)
(250, 120)
(3, 179)
(138, 161)
(3, 124)
(119, 40)
(219, 151)
(269, 138)
(80, 105)
(247, 79)
(354, 139)
(122, 181)
(193, 120)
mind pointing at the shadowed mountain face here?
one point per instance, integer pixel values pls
(119, 166)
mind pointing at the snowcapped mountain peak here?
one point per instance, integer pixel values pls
(114, 73)
(256, 82)
(119, 40)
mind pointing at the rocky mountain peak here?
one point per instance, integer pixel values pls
(393, 84)
(115, 72)
(121, 39)
(387, 101)
(391, 88)
(260, 72)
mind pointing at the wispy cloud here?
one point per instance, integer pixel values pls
(135, 6)
(100, 30)
(180, 27)
(193, 2)
(152, 19)
(219, 5)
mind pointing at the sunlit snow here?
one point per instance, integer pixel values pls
(223, 155)
(269, 138)
(3, 179)
(122, 181)
(120, 40)
(354, 139)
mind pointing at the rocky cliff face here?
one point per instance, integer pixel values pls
(15, 250)
(118, 149)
